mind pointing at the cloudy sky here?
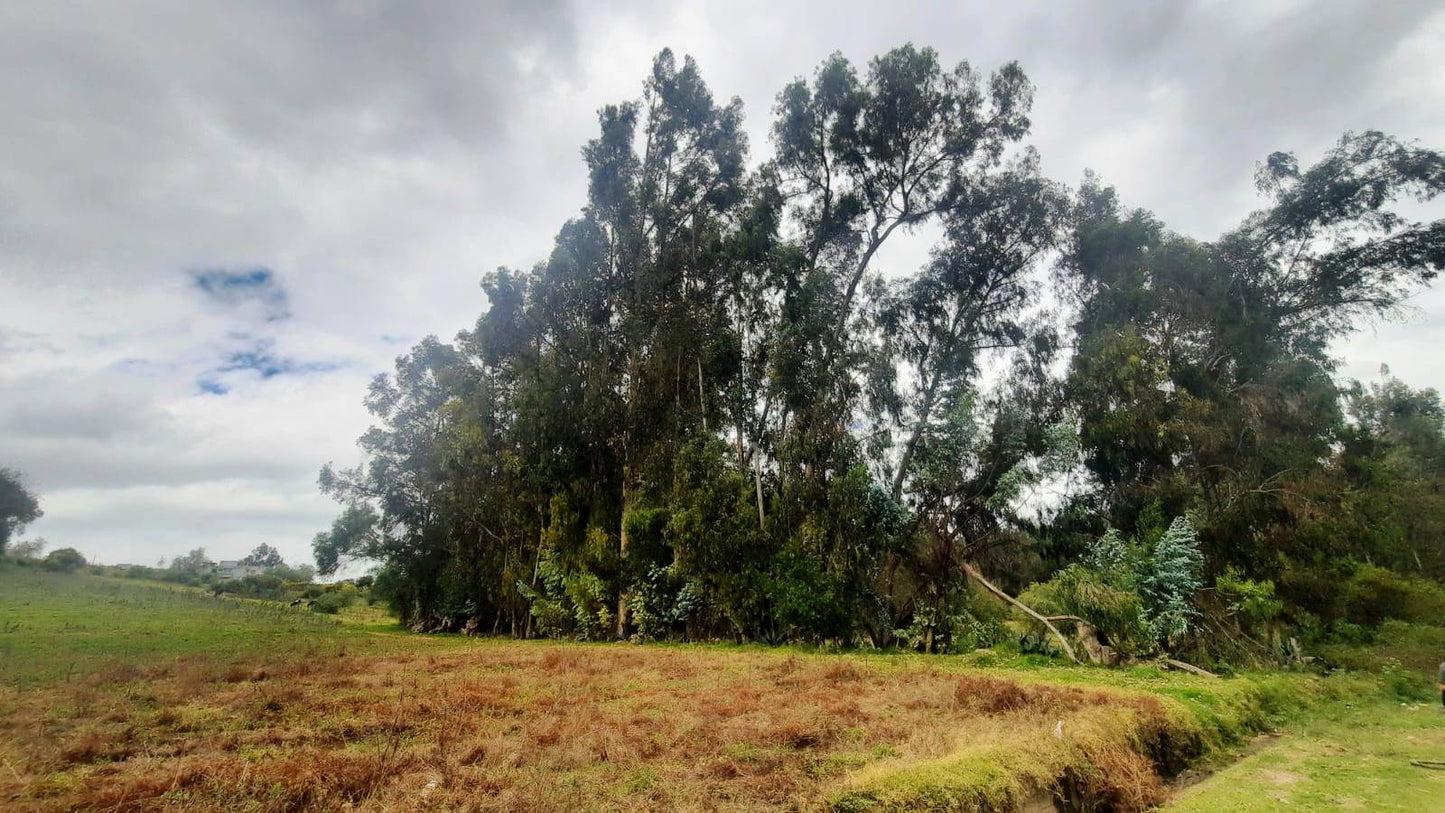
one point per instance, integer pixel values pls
(218, 221)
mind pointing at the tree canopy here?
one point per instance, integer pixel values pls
(708, 413)
(18, 506)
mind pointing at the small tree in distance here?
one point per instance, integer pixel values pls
(264, 556)
(194, 563)
(29, 549)
(65, 560)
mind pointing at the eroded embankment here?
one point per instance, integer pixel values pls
(1076, 749)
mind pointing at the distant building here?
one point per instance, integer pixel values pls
(236, 569)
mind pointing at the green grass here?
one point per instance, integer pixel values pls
(1339, 757)
(58, 627)
(120, 680)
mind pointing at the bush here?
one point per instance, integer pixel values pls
(1375, 595)
(234, 586)
(65, 560)
(30, 549)
(1108, 553)
(971, 619)
(1173, 579)
(331, 602)
(1117, 614)
(1252, 603)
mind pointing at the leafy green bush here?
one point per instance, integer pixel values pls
(332, 602)
(232, 586)
(659, 601)
(65, 560)
(1172, 579)
(1108, 553)
(967, 623)
(1251, 602)
(1375, 595)
(1117, 614)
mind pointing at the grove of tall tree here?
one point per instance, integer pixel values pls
(709, 414)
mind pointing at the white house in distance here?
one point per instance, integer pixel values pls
(236, 569)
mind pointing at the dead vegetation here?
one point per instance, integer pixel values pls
(518, 726)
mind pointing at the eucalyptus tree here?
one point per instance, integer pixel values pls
(399, 503)
(1202, 373)
(661, 207)
(974, 297)
(860, 159)
(1392, 461)
(707, 413)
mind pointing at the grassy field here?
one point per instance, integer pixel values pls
(58, 627)
(1355, 757)
(135, 696)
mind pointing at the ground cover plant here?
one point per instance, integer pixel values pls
(280, 709)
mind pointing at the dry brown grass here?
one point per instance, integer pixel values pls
(518, 726)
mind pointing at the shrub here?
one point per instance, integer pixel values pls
(1252, 603)
(331, 602)
(66, 560)
(234, 586)
(30, 549)
(1172, 579)
(1375, 594)
(1117, 614)
(1108, 553)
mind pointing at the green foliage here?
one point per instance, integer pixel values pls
(1252, 602)
(661, 603)
(66, 560)
(1171, 580)
(265, 586)
(18, 506)
(1108, 553)
(30, 549)
(707, 414)
(335, 599)
(190, 567)
(1375, 595)
(964, 620)
(1118, 614)
(264, 556)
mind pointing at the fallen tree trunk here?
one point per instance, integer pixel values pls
(1188, 667)
(987, 585)
(1089, 638)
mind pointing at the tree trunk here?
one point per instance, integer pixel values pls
(925, 409)
(758, 483)
(623, 541)
(987, 585)
(701, 399)
(1188, 667)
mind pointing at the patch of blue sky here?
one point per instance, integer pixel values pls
(259, 357)
(238, 286)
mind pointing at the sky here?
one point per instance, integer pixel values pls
(219, 220)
